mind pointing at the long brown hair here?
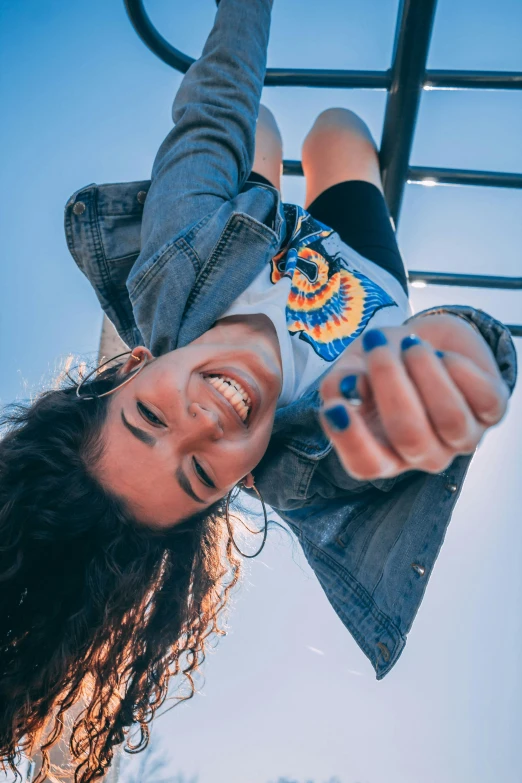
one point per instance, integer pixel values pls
(94, 606)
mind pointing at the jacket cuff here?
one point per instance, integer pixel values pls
(495, 333)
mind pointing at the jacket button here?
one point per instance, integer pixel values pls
(142, 195)
(451, 487)
(420, 570)
(79, 208)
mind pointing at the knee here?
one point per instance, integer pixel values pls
(268, 124)
(338, 120)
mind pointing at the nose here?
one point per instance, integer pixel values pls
(205, 421)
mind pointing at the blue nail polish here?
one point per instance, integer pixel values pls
(337, 417)
(440, 354)
(410, 341)
(373, 339)
(347, 387)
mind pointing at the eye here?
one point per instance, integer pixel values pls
(148, 415)
(202, 475)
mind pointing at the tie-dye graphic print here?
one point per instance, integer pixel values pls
(329, 304)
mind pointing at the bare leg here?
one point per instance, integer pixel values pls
(338, 147)
(268, 159)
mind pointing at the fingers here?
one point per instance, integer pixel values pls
(402, 410)
(486, 395)
(420, 408)
(447, 408)
(360, 454)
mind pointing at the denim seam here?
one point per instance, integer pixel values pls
(255, 226)
(209, 266)
(307, 451)
(124, 322)
(69, 237)
(304, 484)
(366, 599)
(156, 266)
(424, 547)
(119, 259)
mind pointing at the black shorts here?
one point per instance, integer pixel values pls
(357, 211)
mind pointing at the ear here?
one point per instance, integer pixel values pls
(248, 481)
(132, 363)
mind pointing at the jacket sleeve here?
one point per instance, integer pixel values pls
(209, 154)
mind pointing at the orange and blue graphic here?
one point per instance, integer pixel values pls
(329, 305)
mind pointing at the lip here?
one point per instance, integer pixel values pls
(227, 407)
(247, 382)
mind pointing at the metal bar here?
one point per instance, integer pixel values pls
(437, 176)
(323, 77)
(471, 281)
(412, 40)
(404, 81)
(283, 77)
(152, 38)
(475, 80)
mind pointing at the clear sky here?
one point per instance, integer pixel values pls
(288, 693)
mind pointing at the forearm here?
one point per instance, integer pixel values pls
(229, 75)
(206, 158)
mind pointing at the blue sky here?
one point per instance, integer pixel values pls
(288, 692)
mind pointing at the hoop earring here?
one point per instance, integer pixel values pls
(265, 529)
(111, 391)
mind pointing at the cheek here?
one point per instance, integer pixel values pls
(258, 446)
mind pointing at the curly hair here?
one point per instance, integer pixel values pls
(94, 606)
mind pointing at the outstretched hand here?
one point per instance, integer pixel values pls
(412, 397)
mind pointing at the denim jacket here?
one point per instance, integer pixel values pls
(167, 257)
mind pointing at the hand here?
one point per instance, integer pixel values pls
(419, 409)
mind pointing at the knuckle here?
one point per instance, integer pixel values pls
(439, 464)
(371, 468)
(407, 439)
(494, 409)
(453, 424)
(328, 386)
(381, 370)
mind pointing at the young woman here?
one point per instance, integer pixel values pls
(269, 343)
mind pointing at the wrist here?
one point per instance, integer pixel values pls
(446, 312)
(449, 331)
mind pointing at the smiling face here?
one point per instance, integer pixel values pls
(193, 422)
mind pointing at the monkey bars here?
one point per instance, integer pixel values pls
(404, 81)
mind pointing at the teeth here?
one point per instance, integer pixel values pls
(233, 392)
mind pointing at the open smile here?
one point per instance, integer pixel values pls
(240, 393)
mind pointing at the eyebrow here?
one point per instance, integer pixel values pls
(151, 441)
(145, 437)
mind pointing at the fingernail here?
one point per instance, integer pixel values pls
(440, 354)
(373, 339)
(337, 417)
(348, 388)
(410, 341)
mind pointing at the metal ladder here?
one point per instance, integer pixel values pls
(404, 81)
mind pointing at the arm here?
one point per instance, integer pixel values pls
(207, 157)
(421, 410)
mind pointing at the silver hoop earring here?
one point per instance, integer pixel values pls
(255, 532)
(111, 391)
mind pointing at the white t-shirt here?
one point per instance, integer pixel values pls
(320, 295)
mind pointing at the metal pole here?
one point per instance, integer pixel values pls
(412, 38)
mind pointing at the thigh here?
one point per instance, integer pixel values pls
(338, 147)
(357, 211)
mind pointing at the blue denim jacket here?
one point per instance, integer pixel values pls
(167, 258)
